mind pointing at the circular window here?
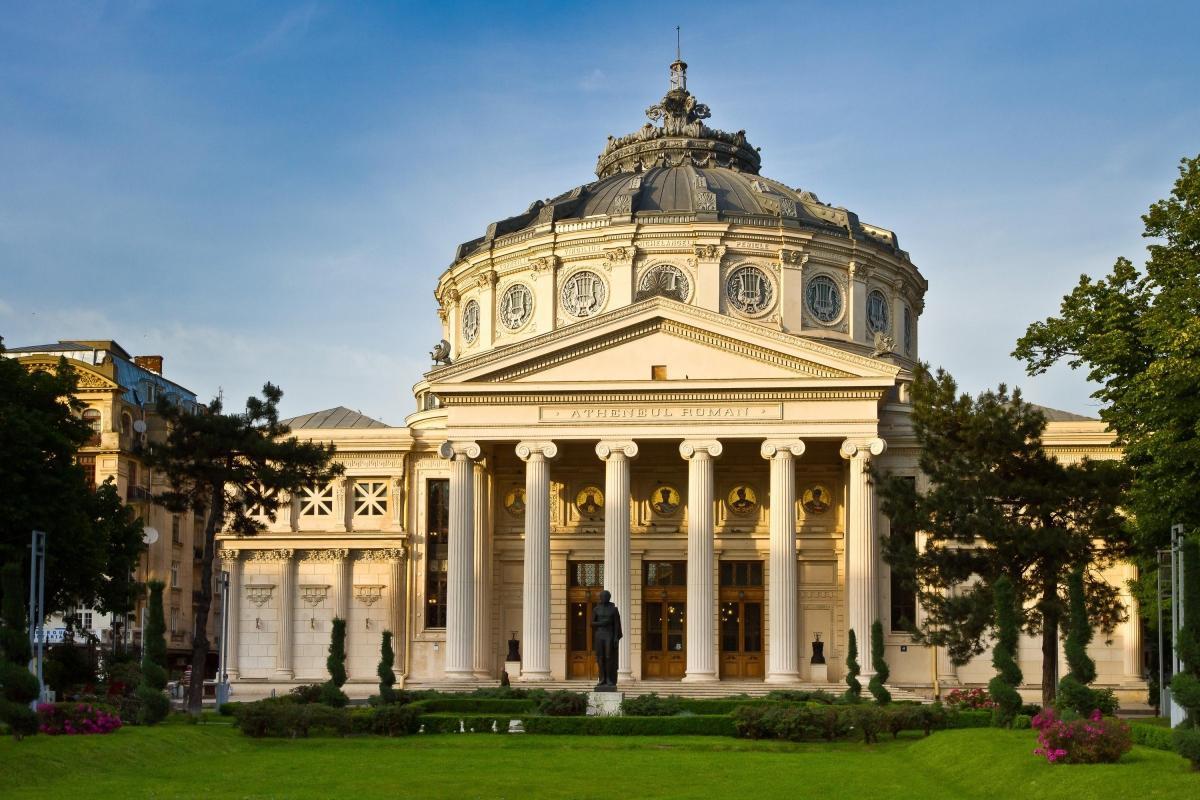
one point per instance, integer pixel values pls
(583, 294)
(470, 321)
(877, 312)
(824, 299)
(749, 290)
(516, 306)
(664, 280)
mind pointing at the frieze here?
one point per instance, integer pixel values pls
(280, 554)
(652, 397)
(334, 554)
(384, 554)
(371, 461)
(660, 412)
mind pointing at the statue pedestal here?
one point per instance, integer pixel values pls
(604, 704)
(818, 673)
(513, 668)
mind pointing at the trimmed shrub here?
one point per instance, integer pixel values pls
(19, 687)
(969, 718)
(475, 705)
(1074, 694)
(854, 691)
(288, 719)
(1154, 736)
(332, 696)
(155, 705)
(698, 725)
(868, 720)
(563, 704)
(879, 663)
(387, 677)
(393, 720)
(306, 693)
(56, 719)
(651, 705)
(750, 722)
(469, 723)
(336, 663)
(229, 709)
(1003, 687)
(1022, 722)
(1187, 744)
(801, 696)
(1095, 740)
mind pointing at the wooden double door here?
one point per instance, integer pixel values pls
(584, 585)
(664, 620)
(740, 615)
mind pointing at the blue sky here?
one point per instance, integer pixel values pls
(269, 191)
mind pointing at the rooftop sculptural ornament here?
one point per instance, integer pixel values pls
(606, 634)
(440, 352)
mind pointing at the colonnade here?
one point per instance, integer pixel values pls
(463, 637)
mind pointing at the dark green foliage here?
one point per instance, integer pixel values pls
(1073, 690)
(868, 720)
(395, 720)
(854, 690)
(154, 702)
(1185, 684)
(810, 722)
(802, 696)
(651, 705)
(227, 468)
(387, 678)
(336, 663)
(291, 720)
(475, 705)
(999, 504)
(306, 693)
(563, 704)
(1153, 736)
(876, 684)
(1022, 722)
(18, 686)
(631, 726)
(332, 696)
(1187, 744)
(1003, 687)
(968, 718)
(67, 670)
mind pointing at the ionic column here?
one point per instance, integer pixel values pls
(701, 599)
(460, 578)
(340, 558)
(395, 559)
(1132, 633)
(862, 549)
(483, 653)
(287, 601)
(535, 612)
(782, 648)
(616, 457)
(232, 564)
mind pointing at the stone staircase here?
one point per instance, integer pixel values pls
(676, 688)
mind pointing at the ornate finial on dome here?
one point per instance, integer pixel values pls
(680, 138)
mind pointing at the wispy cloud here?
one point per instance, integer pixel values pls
(290, 28)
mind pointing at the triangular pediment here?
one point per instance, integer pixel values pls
(684, 341)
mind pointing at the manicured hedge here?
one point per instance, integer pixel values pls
(279, 718)
(699, 725)
(475, 705)
(969, 718)
(800, 722)
(1154, 736)
(472, 723)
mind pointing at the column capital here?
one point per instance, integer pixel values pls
(608, 448)
(545, 449)
(331, 554)
(228, 554)
(453, 450)
(710, 447)
(786, 447)
(871, 447)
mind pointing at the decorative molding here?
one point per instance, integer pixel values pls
(660, 397)
(526, 450)
(334, 554)
(259, 593)
(277, 555)
(456, 450)
(384, 554)
(690, 447)
(368, 593)
(864, 450)
(771, 447)
(605, 449)
(228, 554)
(709, 252)
(314, 593)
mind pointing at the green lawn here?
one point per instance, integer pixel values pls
(215, 761)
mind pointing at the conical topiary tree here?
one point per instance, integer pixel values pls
(155, 705)
(1003, 687)
(20, 686)
(387, 678)
(876, 684)
(1185, 684)
(854, 692)
(1073, 691)
(331, 690)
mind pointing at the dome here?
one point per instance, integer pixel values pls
(680, 170)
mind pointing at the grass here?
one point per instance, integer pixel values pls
(213, 760)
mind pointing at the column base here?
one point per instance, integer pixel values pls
(533, 677)
(285, 674)
(777, 678)
(700, 677)
(625, 677)
(460, 675)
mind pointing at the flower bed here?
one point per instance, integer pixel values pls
(57, 719)
(1095, 740)
(972, 699)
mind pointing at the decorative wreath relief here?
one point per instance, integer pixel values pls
(470, 321)
(516, 306)
(584, 294)
(750, 291)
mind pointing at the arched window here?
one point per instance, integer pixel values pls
(126, 423)
(92, 417)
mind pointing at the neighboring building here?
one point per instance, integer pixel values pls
(668, 382)
(119, 393)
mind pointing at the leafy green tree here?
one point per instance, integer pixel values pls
(854, 690)
(1003, 687)
(876, 684)
(18, 686)
(154, 703)
(121, 530)
(387, 677)
(1137, 332)
(226, 468)
(998, 504)
(44, 489)
(1185, 684)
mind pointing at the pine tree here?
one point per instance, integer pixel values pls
(20, 686)
(154, 703)
(1073, 690)
(1185, 684)
(854, 692)
(1003, 687)
(876, 684)
(387, 678)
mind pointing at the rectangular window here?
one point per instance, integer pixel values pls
(88, 463)
(437, 510)
(174, 574)
(903, 595)
(588, 574)
(370, 498)
(658, 372)
(316, 501)
(174, 620)
(741, 573)
(176, 537)
(87, 620)
(665, 573)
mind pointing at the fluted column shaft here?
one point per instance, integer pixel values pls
(701, 599)
(782, 648)
(483, 651)
(233, 565)
(535, 612)
(396, 564)
(460, 577)
(341, 584)
(616, 457)
(862, 548)
(287, 601)
(1132, 631)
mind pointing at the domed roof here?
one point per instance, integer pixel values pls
(677, 169)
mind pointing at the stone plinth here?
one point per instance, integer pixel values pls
(604, 704)
(818, 673)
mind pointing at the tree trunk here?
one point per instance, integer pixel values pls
(1050, 619)
(200, 608)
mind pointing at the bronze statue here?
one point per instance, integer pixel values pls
(606, 634)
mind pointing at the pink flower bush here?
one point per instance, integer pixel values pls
(75, 718)
(1095, 740)
(975, 699)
